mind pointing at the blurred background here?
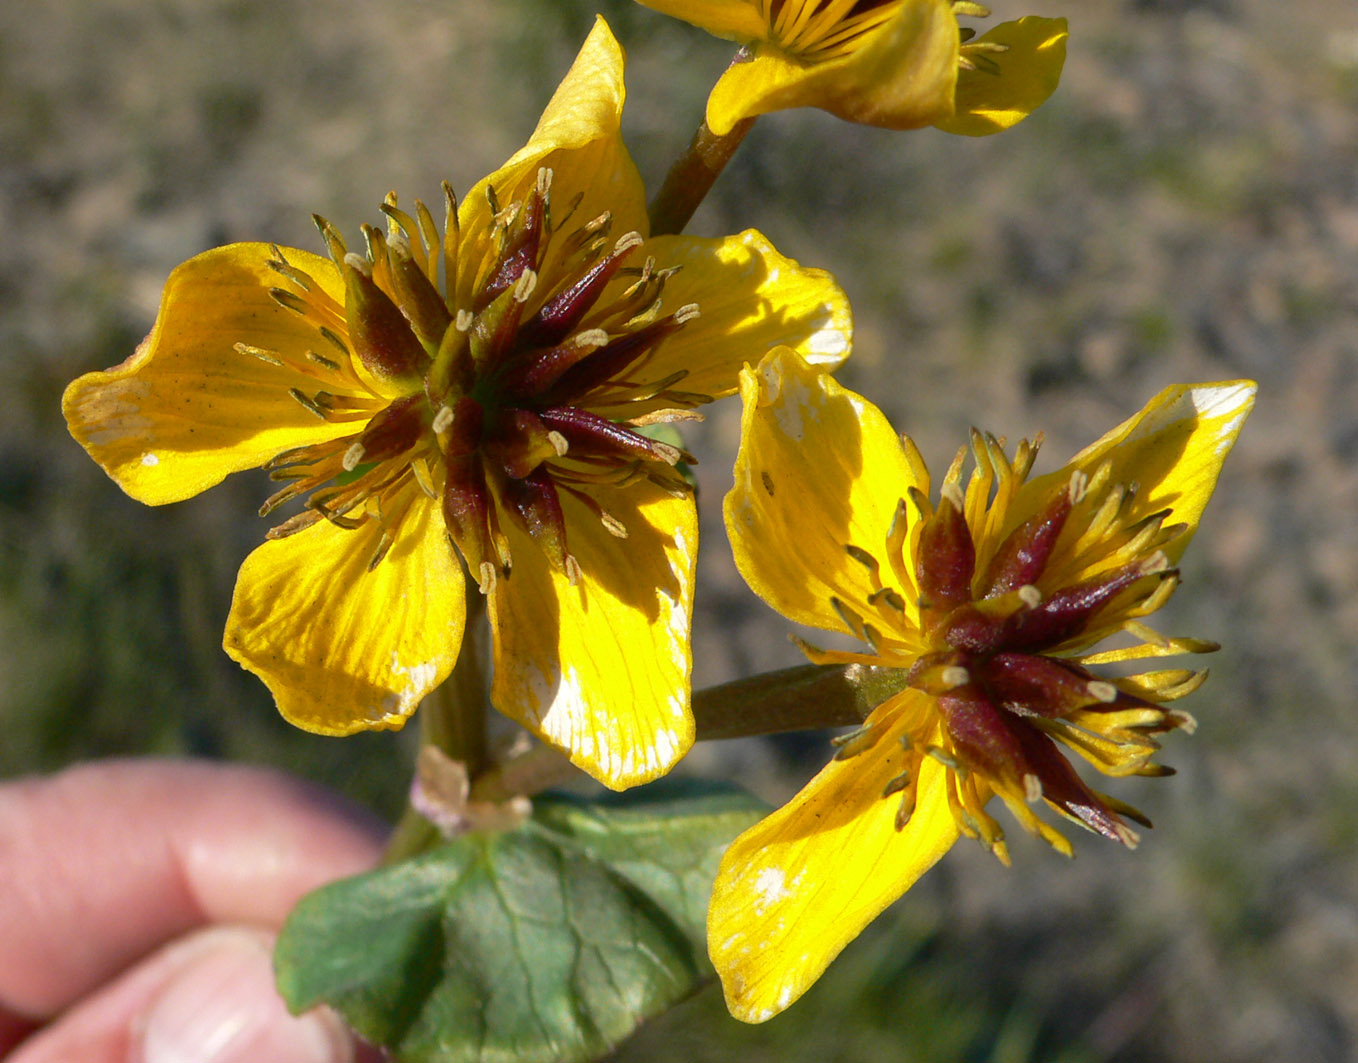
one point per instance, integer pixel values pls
(1185, 208)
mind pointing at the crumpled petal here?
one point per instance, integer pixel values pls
(798, 886)
(819, 469)
(1029, 72)
(340, 648)
(188, 409)
(901, 76)
(602, 670)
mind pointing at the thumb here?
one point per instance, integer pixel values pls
(221, 1006)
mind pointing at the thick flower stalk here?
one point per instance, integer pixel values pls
(988, 602)
(488, 386)
(901, 64)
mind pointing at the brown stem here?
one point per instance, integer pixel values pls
(692, 176)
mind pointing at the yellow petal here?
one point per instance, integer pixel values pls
(602, 670)
(797, 887)
(750, 299)
(900, 75)
(578, 138)
(343, 649)
(733, 19)
(1029, 72)
(819, 469)
(1173, 449)
(187, 409)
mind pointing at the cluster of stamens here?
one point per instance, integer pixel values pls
(524, 377)
(999, 645)
(817, 31)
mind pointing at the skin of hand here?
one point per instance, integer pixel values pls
(139, 901)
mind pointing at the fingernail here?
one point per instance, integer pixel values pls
(222, 1007)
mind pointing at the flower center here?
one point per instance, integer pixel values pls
(1004, 622)
(523, 377)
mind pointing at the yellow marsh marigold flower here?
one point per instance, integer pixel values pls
(901, 64)
(988, 602)
(502, 408)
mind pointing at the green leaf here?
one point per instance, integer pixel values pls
(549, 942)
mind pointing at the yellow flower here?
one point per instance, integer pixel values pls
(502, 409)
(901, 64)
(988, 603)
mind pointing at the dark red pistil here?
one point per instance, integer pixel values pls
(998, 639)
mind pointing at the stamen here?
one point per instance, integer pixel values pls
(848, 746)
(945, 758)
(352, 457)
(1032, 788)
(293, 525)
(309, 403)
(954, 675)
(322, 361)
(523, 287)
(847, 616)
(335, 340)
(420, 470)
(888, 597)
(614, 526)
(669, 454)
(443, 420)
(558, 441)
(905, 811)
(1030, 596)
(463, 321)
(259, 352)
(1185, 721)
(573, 572)
(862, 557)
(383, 546)
(897, 783)
(485, 577)
(1155, 564)
(686, 313)
(288, 300)
(1145, 634)
(1102, 690)
(1079, 484)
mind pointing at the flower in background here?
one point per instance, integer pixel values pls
(503, 408)
(901, 64)
(988, 603)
